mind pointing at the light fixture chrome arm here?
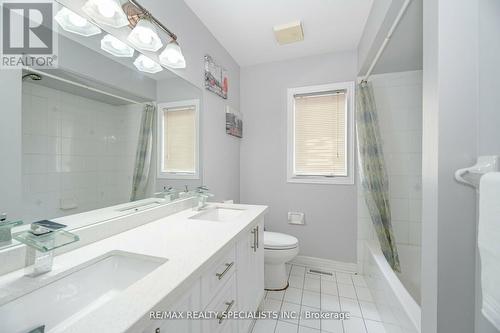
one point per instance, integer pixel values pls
(146, 13)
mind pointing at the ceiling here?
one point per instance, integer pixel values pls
(245, 28)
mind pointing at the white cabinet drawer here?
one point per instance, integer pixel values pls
(223, 302)
(216, 276)
(190, 301)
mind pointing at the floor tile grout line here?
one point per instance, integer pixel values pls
(338, 296)
(359, 304)
(321, 292)
(320, 302)
(301, 297)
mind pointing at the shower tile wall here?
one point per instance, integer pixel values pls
(76, 152)
(399, 103)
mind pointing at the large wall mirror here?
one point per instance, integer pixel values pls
(96, 138)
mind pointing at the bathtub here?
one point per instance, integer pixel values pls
(398, 311)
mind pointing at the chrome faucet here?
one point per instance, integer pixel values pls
(168, 191)
(41, 243)
(6, 229)
(202, 194)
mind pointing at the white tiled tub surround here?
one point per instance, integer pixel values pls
(75, 149)
(399, 104)
(339, 292)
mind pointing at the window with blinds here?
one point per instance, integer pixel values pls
(318, 134)
(178, 140)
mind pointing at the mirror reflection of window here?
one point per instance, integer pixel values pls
(178, 140)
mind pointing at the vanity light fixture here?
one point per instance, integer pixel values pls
(145, 64)
(144, 36)
(108, 12)
(116, 47)
(172, 56)
(72, 22)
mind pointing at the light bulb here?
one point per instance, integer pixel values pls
(147, 65)
(116, 47)
(106, 9)
(74, 23)
(76, 20)
(119, 45)
(108, 12)
(172, 56)
(144, 36)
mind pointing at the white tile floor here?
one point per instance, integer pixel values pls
(314, 292)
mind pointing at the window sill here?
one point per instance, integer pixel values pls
(164, 175)
(322, 180)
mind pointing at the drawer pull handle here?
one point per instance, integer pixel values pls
(221, 316)
(257, 236)
(254, 245)
(228, 267)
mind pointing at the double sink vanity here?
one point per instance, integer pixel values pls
(209, 260)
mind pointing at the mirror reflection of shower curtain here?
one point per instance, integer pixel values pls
(373, 173)
(143, 159)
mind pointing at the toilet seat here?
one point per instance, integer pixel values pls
(279, 241)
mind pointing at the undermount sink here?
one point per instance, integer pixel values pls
(64, 301)
(218, 214)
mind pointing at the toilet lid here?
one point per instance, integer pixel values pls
(279, 241)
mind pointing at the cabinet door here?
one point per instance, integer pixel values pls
(244, 257)
(250, 272)
(258, 267)
(189, 302)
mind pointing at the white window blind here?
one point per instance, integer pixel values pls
(320, 134)
(179, 140)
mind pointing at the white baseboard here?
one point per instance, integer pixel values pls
(326, 264)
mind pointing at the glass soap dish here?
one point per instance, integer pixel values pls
(46, 242)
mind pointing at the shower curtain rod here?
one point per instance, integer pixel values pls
(81, 85)
(387, 39)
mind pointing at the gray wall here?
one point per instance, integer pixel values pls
(404, 50)
(489, 108)
(330, 230)
(221, 152)
(453, 135)
(374, 32)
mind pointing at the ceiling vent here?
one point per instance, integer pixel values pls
(289, 33)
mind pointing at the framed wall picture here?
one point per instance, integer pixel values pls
(216, 79)
(234, 122)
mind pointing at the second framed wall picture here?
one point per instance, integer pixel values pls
(234, 122)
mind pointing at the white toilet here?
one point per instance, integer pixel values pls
(278, 249)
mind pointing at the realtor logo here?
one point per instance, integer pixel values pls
(28, 36)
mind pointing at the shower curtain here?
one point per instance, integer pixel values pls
(373, 173)
(144, 154)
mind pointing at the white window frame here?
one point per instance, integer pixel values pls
(160, 140)
(349, 87)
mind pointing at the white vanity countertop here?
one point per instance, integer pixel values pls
(188, 244)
